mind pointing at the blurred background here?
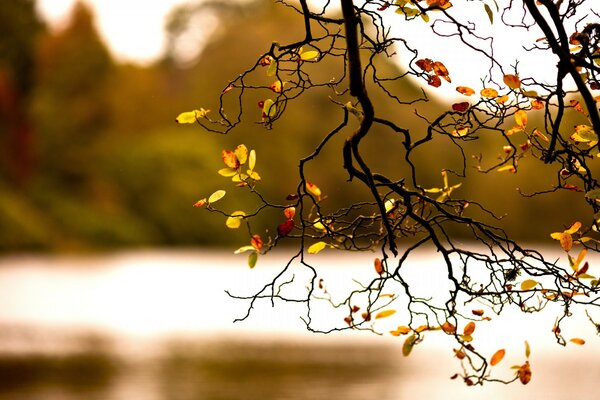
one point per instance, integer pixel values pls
(98, 235)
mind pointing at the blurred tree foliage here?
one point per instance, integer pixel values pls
(111, 168)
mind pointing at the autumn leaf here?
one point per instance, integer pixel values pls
(469, 328)
(310, 55)
(269, 109)
(314, 189)
(527, 349)
(200, 203)
(467, 91)
(461, 107)
(235, 219)
(509, 168)
(528, 284)
(277, 86)
(565, 238)
(252, 258)
(401, 330)
(317, 247)
(440, 70)
(460, 132)
(489, 92)
(408, 345)
(479, 313)
(190, 117)
(241, 152)
(578, 341)
(497, 357)
(230, 159)
(434, 80)
(257, 242)
(289, 212)
(448, 327)
(512, 81)
(501, 99)
(216, 196)
(378, 266)
(385, 314)
(524, 373)
(285, 228)
(521, 118)
(425, 64)
(537, 104)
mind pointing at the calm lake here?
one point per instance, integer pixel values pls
(156, 325)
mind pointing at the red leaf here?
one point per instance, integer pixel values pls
(285, 228)
(425, 64)
(434, 81)
(461, 107)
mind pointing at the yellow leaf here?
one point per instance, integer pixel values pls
(578, 341)
(512, 81)
(244, 249)
(235, 219)
(216, 196)
(528, 284)
(314, 189)
(309, 55)
(272, 70)
(227, 172)
(317, 247)
(252, 258)
(269, 109)
(574, 228)
(539, 134)
(489, 92)
(460, 132)
(385, 314)
(521, 118)
(252, 160)
(241, 152)
(509, 168)
(527, 349)
(497, 357)
(190, 117)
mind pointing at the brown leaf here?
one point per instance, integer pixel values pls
(479, 313)
(440, 70)
(524, 373)
(434, 80)
(425, 64)
(448, 327)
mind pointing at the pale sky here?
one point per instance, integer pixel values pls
(132, 28)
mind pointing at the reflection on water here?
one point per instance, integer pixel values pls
(158, 326)
(211, 371)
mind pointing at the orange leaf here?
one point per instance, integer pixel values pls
(289, 212)
(574, 228)
(230, 159)
(448, 327)
(434, 80)
(502, 99)
(200, 203)
(578, 341)
(566, 241)
(469, 328)
(497, 357)
(467, 91)
(440, 70)
(378, 266)
(385, 314)
(479, 313)
(401, 330)
(512, 81)
(537, 104)
(425, 64)
(256, 242)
